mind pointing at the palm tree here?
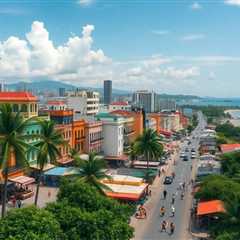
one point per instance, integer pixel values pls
(148, 144)
(48, 150)
(92, 171)
(13, 144)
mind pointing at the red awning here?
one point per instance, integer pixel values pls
(24, 180)
(166, 133)
(210, 207)
(124, 196)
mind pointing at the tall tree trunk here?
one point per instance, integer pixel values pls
(4, 193)
(38, 187)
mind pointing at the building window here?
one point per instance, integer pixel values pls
(15, 108)
(24, 108)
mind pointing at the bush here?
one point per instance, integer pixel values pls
(30, 223)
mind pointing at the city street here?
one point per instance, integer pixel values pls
(149, 229)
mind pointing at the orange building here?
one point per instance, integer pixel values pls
(137, 120)
(79, 135)
(157, 117)
(64, 123)
(27, 104)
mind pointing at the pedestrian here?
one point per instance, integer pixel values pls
(173, 210)
(149, 193)
(14, 201)
(183, 186)
(164, 194)
(182, 195)
(19, 203)
(172, 228)
(49, 193)
(164, 226)
(162, 211)
(173, 198)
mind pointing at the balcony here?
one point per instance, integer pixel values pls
(96, 140)
(79, 139)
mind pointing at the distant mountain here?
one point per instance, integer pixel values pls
(53, 86)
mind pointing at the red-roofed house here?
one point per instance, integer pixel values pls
(227, 148)
(26, 102)
(210, 207)
(56, 105)
(121, 105)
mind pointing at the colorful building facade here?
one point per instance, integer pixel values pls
(94, 137)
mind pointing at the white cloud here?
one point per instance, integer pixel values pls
(233, 2)
(85, 2)
(196, 6)
(37, 56)
(193, 37)
(160, 32)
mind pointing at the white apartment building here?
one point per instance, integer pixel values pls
(170, 121)
(83, 102)
(120, 105)
(113, 134)
(145, 99)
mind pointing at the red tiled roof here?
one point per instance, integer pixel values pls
(17, 96)
(120, 103)
(121, 112)
(229, 147)
(210, 207)
(56, 103)
(164, 132)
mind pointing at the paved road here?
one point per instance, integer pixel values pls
(182, 207)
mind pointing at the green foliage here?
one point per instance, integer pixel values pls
(229, 236)
(229, 131)
(227, 190)
(92, 171)
(12, 141)
(86, 197)
(148, 144)
(30, 224)
(231, 165)
(79, 224)
(47, 147)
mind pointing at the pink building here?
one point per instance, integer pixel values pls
(94, 136)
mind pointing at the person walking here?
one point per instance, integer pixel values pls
(173, 210)
(162, 211)
(182, 195)
(173, 198)
(164, 194)
(164, 226)
(172, 228)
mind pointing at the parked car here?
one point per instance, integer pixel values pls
(186, 150)
(192, 150)
(185, 158)
(168, 180)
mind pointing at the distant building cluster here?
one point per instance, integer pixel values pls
(89, 125)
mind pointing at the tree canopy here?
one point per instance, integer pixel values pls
(30, 223)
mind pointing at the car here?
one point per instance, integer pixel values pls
(186, 150)
(193, 150)
(185, 158)
(168, 180)
(193, 156)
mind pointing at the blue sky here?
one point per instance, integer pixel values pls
(171, 46)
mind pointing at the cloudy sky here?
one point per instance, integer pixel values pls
(170, 46)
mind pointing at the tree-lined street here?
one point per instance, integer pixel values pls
(150, 228)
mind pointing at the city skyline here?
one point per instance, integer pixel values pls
(182, 47)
